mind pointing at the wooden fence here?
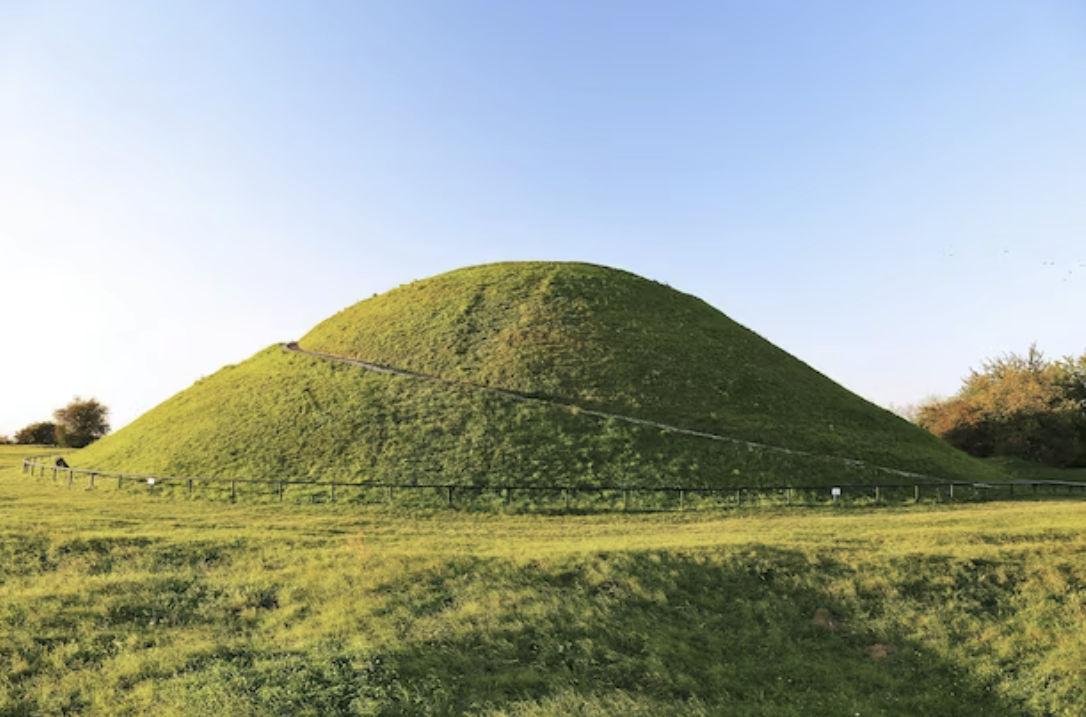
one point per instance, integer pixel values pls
(565, 496)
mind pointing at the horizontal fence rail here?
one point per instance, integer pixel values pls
(563, 496)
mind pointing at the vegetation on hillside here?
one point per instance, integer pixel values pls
(610, 340)
(596, 337)
(116, 604)
(281, 414)
(1019, 406)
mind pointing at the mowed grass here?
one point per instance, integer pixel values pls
(112, 603)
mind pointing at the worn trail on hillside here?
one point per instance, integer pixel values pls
(569, 405)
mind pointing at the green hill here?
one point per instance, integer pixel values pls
(576, 336)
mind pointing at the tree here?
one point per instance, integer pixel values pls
(81, 422)
(1023, 406)
(39, 433)
(1072, 378)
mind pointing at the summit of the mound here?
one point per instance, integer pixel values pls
(606, 339)
(578, 336)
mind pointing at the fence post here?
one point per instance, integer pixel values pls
(388, 494)
(233, 491)
(91, 482)
(190, 487)
(333, 490)
(119, 480)
(952, 491)
(682, 499)
(279, 491)
(508, 495)
(876, 494)
(625, 498)
(916, 494)
(565, 497)
(450, 489)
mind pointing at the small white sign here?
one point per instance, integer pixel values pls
(150, 481)
(835, 492)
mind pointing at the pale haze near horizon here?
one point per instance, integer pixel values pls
(891, 194)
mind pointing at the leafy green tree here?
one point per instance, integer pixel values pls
(39, 433)
(1023, 406)
(81, 422)
(1073, 379)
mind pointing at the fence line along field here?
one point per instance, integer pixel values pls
(550, 496)
(115, 604)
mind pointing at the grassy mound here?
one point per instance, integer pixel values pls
(594, 337)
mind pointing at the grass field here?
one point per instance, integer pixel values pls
(124, 604)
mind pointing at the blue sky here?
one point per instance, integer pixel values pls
(892, 193)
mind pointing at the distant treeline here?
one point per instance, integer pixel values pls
(1023, 406)
(78, 424)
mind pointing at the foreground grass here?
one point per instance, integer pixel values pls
(123, 604)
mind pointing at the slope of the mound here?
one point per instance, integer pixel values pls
(281, 414)
(580, 338)
(606, 339)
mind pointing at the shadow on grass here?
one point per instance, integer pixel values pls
(744, 633)
(750, 634)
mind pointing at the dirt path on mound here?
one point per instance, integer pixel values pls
(570, 406)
